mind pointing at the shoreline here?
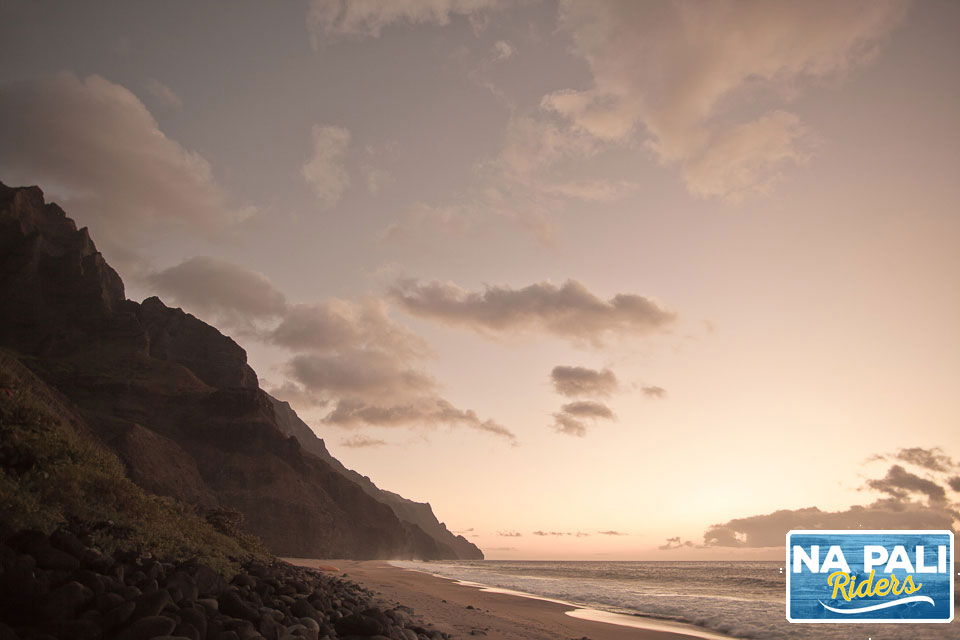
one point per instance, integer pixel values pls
(466, 608)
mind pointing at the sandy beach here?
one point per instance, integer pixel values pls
(464, 611)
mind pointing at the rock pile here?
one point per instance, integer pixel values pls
(59, 587)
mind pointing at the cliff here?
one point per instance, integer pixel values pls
(178, 403)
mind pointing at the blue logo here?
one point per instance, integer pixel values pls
(870, 576)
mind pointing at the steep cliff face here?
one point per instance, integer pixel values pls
(416, 513)
(175, 398)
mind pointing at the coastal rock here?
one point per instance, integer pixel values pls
(149, 627)
(176, 399)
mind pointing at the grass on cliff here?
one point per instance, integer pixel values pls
(51, 476)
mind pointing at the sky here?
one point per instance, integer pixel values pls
(598, 280)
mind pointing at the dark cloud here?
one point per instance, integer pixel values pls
(336, 324)
(654, 391)
(568, 425)
(570, 420)
(769, 530)
(675, 543)
(588, 409)
(353, 354)
(611, 533)
(569, 311)
(221, 290)
(899, 510)
(107, 162)
(358, 372)
(899, 483)
(933, 459)
(582, 534)
(509, 534)
(422, 411)
(362, 442)
(582, 381)
(550, 533)
(954, 483)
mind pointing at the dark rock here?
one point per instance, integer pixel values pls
(66, 541)
(29, 541)
(187, 630)
(244, 580)
(303, 609)
(50, 558)
(91, 580)
(146, 628)
(196, 618)
(72, 629)
(66, 601)
(107, 601)
(232, 605)
(118, 615)
(209, 582)
(150, 604)
(358, 625)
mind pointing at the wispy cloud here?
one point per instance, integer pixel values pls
(569, 311)
(362, 442)
(583, 381)
(324, 170)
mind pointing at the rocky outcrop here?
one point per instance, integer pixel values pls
(176, 399)
(60, 586)
(416, 513)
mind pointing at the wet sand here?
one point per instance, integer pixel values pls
(444, 603)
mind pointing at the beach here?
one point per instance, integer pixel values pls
(466, 610)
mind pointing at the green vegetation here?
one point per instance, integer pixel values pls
(51, 476)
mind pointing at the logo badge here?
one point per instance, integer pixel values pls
(870, 576)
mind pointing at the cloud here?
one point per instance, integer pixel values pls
(954, 483)
(582, 381)
(911, 502)
(611, 533)
(568, 425)
(502, 50)
(588, 409)
(295, 394)
(653, 391)
(704, 67)
(324, 171)
(425, 411)
(97, 149)
(344, 18)
(509, 534)
(932, 459)
(675, 543)
(358, 372)
(362, 442)
(335, 323)
(347, 352)
(899, 483)
(571, 419)
(219, 289)
(353, 354)
(165, 96)
(569, 311)
(768, 530)
(550, 533)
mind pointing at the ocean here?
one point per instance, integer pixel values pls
(736, 599)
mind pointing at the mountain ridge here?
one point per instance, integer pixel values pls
(177, 401)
